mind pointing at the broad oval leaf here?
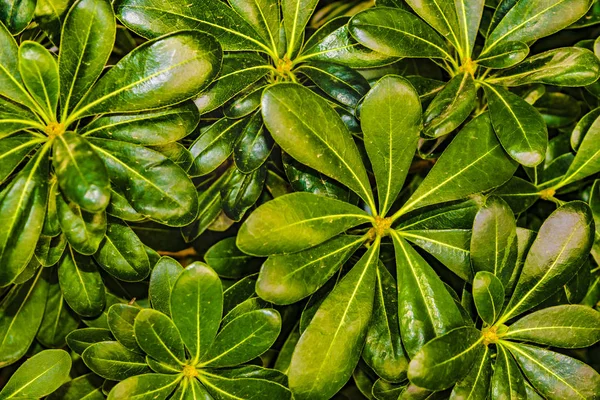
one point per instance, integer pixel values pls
(84, 230)
(488, 294)
(308, 129)
(124, 88)
(81, 173)
(39, 71)
(197, 308)
(519, 126)
(158, 336)
(39, 376)
(274, 229)
(504, 55)
(553, 259)
(152, 183)
(81, 284)
(324, 358)
(120, 319)
(113, 361)
(163, 278)
(565, 326)
(446, 359)
(397, 33)
(390, 136)
(145, 386)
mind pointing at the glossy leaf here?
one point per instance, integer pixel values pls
(88, 387)
(39, 71)
(84, 230)
(519, 126)
(39, 376)
(273, 229)
(397, 33)
(59, 320)
(553, 259)
(158, 336)
(120, 318)
(518, 193)
(253, 146)
(566, 326)
(422, 294)
(477, 382)
(126, 88)
(14, 116)
(488, 294)
(153, 184)
(507, 380)
(446, 359)
(587, 160)
(111, 360)
(11, 85)
(81, 339)
(155, 386)
(248, 383)
(197, 307)
(49, 250)
(264, 17)
(14, 150)
(390, 137)
(81, 284)
(327, 146)
(242, 191)
(335, 336)
(457, 173)
(228, 261)
(504, 55)
(451, 106)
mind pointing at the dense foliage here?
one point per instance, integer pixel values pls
(299, 199)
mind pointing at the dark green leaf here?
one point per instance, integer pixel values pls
(477, 382)
(158, 336)
(11, 85)
(296, 14)
(488, 294)
(229, 384)
(246, 102)
(163, 279)
(253, 146)
(229, 262)
(242, 191)
(39, 71)
(49, 250)
(84, 230)
(81, 339)
(121, 318)
(16, 14)
(112, 360)
(85, 387)
(59, 320)
(442, 16)
(14, 117)
(81, 284)
(263, 15)
(518, 193)
(507, 381)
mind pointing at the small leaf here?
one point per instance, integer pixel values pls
(488, 294)
(81, 339)
(49, 250)
(242, 191)
(84, 230)
(253, 146)
(273, 229)
(39, 376)
(519, 126)
(322, 347)
(587, 160)
(565, 326)
(197, 308)
(163, 278)
(146, 386)
(81, 284)
(446, 359)
(112, 360)
(158, 336)
(229, 262)
(16, 15)
(39, 71)
(120, 318)
(504, 55)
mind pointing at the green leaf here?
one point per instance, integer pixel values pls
(238, 72)
(39, 71)
(457, 173)
(488, 294)
(49, 15)
(558, 110)
(81, 284)
(124, 88)
(248, 383)
(294, 114)
(254, 145)
(197, 307)
(246, 102)
(587, 160)
(51, 224)
(519, 126)
(162, 280)
(274, 229)
(528, 21)
(242, 191)
(21, 313)
(458, 215)
(22, 212)
(442, 16)
(398, 33)
(11, 85)
(518, 193)
(567, 66)
(190, 389)
(422, 295)
(83, 230)
(553, 259)
(158, 336)
(122, 254)
(211, 16)
(16, 14)
(39, 376)
(229, 262)
(81, 173)
(243, 339)
(296, 14)
(476, 383)
(445, 360)
(555, 375)
(469, 14)
(390, 137)
(59, 320)
(88, 387)
(507, 381)
(383, 390)
(153, 184)
(120, 318)
(112, 360)
(582, 128)
(81, 339)
(383, 350)
(451, 106)
(341, 83)
(263, 15)
(14, 116)
(330, 346)
(565, 326)
(286, 279)
(215, 144)
(504, 55)
(49, 250)
(88, 36)
(14, 150)
(146, 386)
(151, 128)
(494, 239)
